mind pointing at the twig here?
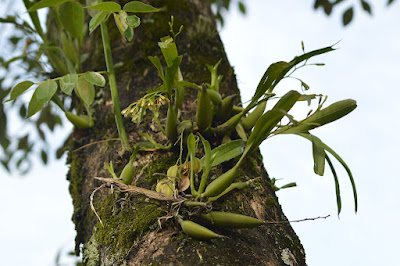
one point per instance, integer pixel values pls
(91, 203)
(137, 190)
(94, 143)
(302, 220)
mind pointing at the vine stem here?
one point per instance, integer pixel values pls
(113, 87)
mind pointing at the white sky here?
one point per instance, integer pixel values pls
(364, 69)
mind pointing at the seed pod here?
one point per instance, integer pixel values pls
(203, 113)
(228, 126)
(220, 184)
(127, 172)
(327, 115)
(231, 220)
(215, 97)
(240, 131)
(198, 231)
(225, 109)
(171, 128)
(237, 109)
(79, 121)
(249, 121)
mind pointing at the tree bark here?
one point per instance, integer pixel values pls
(129, 233)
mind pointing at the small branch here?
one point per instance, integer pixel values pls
(94, 143)
(138, 190)
(113, 87)
(302, 220)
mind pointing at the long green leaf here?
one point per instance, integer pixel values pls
(106, 6)
(318, 155)
(206, 164)
(337, 186)
(271, 77)
(342, 162)
(306, 56)
(191, 145)
(269, 120)
(45, 3)
(277, 71)
(19, 89)
(139, 7)
(226, 152)
(207, 159)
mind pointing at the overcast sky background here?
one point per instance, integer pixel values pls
(364, 68)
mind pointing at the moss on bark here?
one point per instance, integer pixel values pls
(130, 235)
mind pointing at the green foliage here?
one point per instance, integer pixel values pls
(226, 131)
(106, 6)
(139, 7)
(348, 13)
(348, 16)
(72, 18)
(45, 3)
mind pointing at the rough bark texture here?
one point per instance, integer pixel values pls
(130, 234)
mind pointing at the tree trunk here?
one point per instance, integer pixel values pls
(129, 233)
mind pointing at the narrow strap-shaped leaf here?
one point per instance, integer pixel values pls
(226, 152)
(337, 186)
(318, 155)
(269, 120)
(154, 143)
(306, 56)
(342, 162)
(191, 145)
(277, 71)
(272, 75)
(206, 164)
(206, 160)
(157, 63)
